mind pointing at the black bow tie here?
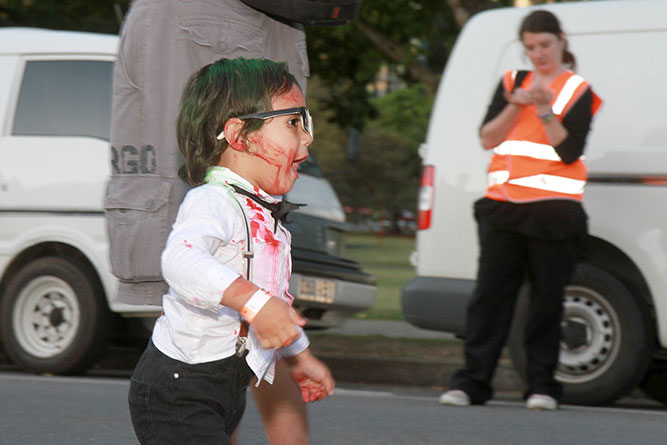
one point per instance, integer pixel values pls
(279, 210)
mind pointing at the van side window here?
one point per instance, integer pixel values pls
(65, 98)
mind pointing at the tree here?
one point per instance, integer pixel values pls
(413, 36)
(464, 9)
(385, 176)
(77, 15)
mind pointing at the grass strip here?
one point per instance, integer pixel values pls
(388, 259)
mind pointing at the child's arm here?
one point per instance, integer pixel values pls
(312, 376)
(276, 322)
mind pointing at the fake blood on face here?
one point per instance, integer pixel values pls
(279, 173)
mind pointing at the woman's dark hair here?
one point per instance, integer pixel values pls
(216, 93)
(544, 21)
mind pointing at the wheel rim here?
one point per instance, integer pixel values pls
(46, 317)
(597, 341)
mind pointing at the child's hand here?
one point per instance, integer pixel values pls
(312, 376)
(276, 324)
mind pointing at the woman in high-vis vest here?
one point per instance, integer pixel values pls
(531, 223)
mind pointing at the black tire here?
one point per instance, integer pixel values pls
(654, 384)
(54, 318)
(608, 338)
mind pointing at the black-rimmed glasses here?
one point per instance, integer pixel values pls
(304, 115)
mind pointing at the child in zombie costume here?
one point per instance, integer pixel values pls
(243, 129)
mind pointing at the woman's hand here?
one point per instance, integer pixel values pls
(519, 97)
(538, 95)
(541, 96)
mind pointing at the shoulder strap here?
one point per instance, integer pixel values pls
(520, 76)
(248, 253)
(242, 339)
(212, 178)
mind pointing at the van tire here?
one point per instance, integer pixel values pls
(54, 317)
(608, 338)
(654, 383)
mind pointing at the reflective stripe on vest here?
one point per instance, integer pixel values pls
(566, 93)
(526, 148)
(542, 182)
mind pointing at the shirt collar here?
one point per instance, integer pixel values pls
(223, 175)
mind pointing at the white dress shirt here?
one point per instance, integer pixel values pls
(203, 256)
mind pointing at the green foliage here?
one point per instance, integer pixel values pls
(405, 112)
(330, 140)
(76, 15)
(386, 175)
(347, 60)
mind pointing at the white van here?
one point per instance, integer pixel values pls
(615, 326)
(58, 303)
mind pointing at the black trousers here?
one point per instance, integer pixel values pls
(172, 402)
(506, 259)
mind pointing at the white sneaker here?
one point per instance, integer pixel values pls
(541, 402)
(455, 397)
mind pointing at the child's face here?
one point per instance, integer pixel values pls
(278, 147)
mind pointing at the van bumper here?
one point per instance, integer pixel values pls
(326, 301)
(437, 303)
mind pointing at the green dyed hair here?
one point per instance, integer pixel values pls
(216, 93)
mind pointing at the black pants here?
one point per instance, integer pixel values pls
(172, 402)
(506, 258)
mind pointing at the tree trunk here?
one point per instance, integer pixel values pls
(398, 54)
(461, 14)
(464, 9)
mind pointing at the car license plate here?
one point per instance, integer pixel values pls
(317, 289)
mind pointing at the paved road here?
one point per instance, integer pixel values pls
(75, 410)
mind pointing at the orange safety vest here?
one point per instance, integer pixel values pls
(525, 167)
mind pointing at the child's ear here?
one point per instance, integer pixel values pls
(233, 135)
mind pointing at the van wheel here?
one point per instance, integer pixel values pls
(654, 383)
(54, 319)
(607, 338)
